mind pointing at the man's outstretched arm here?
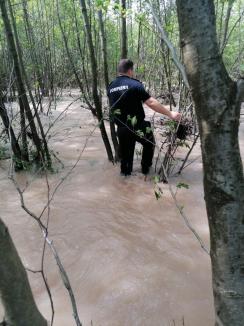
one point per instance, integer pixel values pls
(158, 107)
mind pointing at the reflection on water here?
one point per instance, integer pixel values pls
(130, 258)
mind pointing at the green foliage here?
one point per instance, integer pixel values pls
(42, 34)
(116, 112)
(158, 193)
(102, 4)
(140, 133)
(172, 125)
(148, 130)
(156, 179)
(134, 121)
(182, 185)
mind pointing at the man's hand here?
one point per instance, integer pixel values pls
(175, 116)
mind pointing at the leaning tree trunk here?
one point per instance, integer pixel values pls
(97, 101)
(19, 305)
(217, 104)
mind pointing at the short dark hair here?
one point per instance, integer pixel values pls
(125, 65)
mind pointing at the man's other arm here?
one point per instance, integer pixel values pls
(154, 104)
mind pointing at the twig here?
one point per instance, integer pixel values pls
(187, 222)
(188, 154)
(66, 281)
(218, 320)
(43, 255)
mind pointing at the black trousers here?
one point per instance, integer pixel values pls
(127, 142)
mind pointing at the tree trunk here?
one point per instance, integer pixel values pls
(16, 295)
(124, 50)
(45, 150)
(96, 99)
(78, 80)
(33, 54)
(24, 104)
(216, 99)
(106, 78)
(14, 143)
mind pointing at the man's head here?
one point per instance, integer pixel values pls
(125, 67)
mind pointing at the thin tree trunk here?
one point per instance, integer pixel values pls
(24, 104)
(14, 143)
(19, 305)
(78, 80)
(221, 22)
(82, 55)
(227, 19)
(124, 49)
(106, 78)
(216, 98)
(22, 68)
(139, 36)
(95, 94)
(31, 40)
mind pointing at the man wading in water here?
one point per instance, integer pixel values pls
(126, 96)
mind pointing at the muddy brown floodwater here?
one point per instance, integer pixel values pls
(130, 258)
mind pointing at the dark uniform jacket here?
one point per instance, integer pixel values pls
(126, 96)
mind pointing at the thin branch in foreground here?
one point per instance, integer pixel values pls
(185, 218)
(66, 281)
(43, 255)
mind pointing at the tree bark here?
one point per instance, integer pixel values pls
(16, 295)
(216, 99)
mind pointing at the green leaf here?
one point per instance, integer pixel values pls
(117, 111)
(140, 133)
(158, 194)
(156, 179)
(183, 185)
(148, 130)
(134, 121)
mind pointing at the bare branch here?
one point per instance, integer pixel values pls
(65, 279)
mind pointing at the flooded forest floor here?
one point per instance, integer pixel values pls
(130, 258)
